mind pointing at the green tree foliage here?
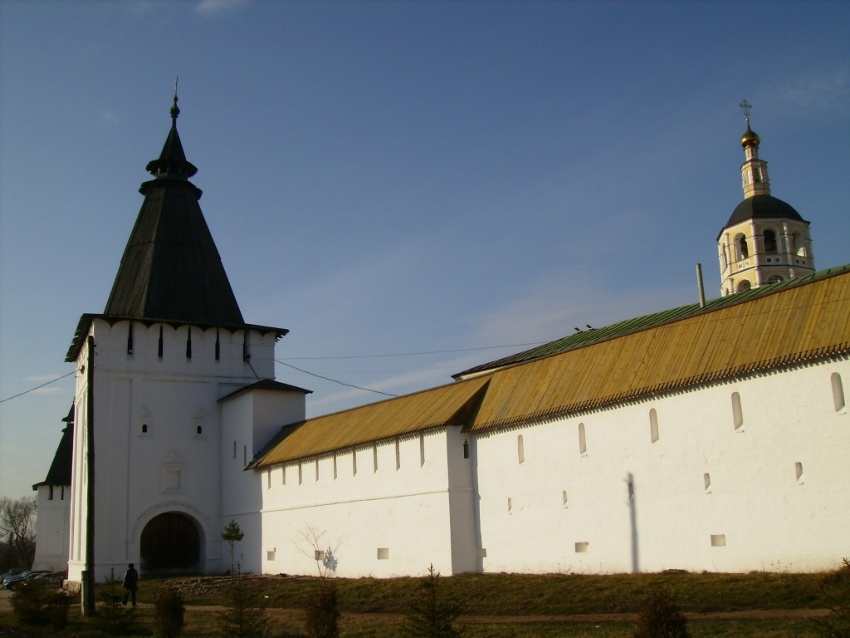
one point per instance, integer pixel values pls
(432, 614)
(836, 594)
(29, 603)
(35, 604)
(242, 617)
(169, 612)
(58, 606)
(660, 617)
(17, 528)
(232, 534)
(113, 617)
(323, 612)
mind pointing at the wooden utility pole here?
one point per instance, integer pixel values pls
(88, 602)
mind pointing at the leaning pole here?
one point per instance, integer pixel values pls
(88, 600)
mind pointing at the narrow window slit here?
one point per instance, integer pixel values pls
(421, 449)
(653, 425)
(737, 412)
(837, 392)
(582, 439)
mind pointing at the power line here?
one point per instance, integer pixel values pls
(20, 394)
(416, 354)
(381, 356)
(353, 356)
(350, 385)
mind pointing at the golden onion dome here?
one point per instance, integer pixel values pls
(750, 137)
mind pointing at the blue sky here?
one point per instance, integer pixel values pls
(396, 178)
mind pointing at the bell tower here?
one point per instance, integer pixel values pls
(765, 240)
(153, 371)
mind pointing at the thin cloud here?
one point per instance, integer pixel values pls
(401, 384)
(212, 8)
(823, 91)
(552, 309)
(41, 378)
(50, 390)
(108, 119)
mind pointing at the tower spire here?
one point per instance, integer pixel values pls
(172, 162)
(754, 170)
(171, 269)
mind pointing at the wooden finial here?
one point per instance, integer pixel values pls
(175, 111)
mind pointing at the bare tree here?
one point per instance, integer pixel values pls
(17, 526)
(315, 546)
(322, 612)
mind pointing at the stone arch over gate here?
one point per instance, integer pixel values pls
(172, 541)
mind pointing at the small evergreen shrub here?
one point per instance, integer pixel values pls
(58, 606)
(432, 615)
(836, 594)
(659, 617)
(232, 533)
(242, 617)
(323, 612)
(29, 603)
(169, 612)
(112, 617)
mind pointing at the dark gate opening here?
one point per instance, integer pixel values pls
(170, 544)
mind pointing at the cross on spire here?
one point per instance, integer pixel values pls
(746, 107)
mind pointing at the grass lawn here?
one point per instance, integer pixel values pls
(499, 605)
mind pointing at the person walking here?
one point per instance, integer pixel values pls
(131, 584)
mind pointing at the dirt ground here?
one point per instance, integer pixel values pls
(287, 614)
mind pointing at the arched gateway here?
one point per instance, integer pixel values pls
(171, 543)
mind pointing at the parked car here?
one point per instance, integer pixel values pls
(15, 581)
(8, 581)
(10, 574)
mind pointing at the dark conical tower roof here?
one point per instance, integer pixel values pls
(60, 469)
(171, 269)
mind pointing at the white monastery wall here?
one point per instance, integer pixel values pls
(765, 492)
(382, 509)
(249, 420)
(51, 550)
(734, 476)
